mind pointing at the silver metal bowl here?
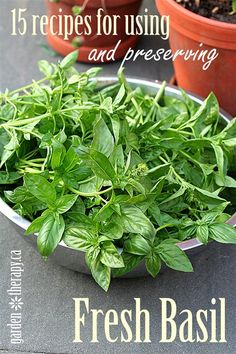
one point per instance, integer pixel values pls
(73, 259)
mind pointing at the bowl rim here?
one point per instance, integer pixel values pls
(187, 245)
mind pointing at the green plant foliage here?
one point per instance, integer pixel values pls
(114, 172)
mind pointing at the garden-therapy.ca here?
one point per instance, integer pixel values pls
(81, 25)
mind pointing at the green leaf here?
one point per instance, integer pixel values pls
(191, 105)
(79, 238)
(230, 142)
(101, 165)
(37, 224)
(106, 105)
(101, 273)
(210, 217)
(134, 221)
(176, 195)
(71, 159)
(207, 113)
(130, 262)
(203, 233)
(120, 95)
(50, 234)
(153, 264)
(65, 203)
(69, 60)
(117, 158)
(93, 72)
(113, 230)
(116, 127)
(110, 256)
(227, 181)
(208, 197)
(174, 257)
(39, 187)
(137, 185)
(9, 177)
(223, 233)
(137, 245)
(103, 140)
(220, 159)
(45, 67)
(10, 148)
(58, 154)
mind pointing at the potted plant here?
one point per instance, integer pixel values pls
(213, 25)
(87, 11)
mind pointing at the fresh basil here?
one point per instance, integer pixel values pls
(137, 245)
(115, 172)
(174, 257)
(50, 234)
(153, 264)
(222, 233)
(39, 187)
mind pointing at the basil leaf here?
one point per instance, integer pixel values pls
(220, 159)
(106, 105)
(50, 234)
(37, 224)
(120, 95)
(153, 264)
(208, 197)
(226, 181)
(103, 140)
(223, 233)
(58, 154)
(137, 185)
(71, 159)
(137, 245)
(203, 233)
(130, 262)
(230, 142)
(69, 60)
(174, 257)
(9, 177)
(45, 67)
(65, 203)
(101, 273)
(101, 165)
(207, 113)
(79, 238)
(134, 221)
(113, 230)
(39, 187)
(110, 256)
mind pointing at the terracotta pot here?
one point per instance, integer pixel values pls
(187, 31)
(93, 41)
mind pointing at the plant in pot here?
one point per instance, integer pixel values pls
(201, 24)
(85, 33)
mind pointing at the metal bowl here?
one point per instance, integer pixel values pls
(75, 260)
